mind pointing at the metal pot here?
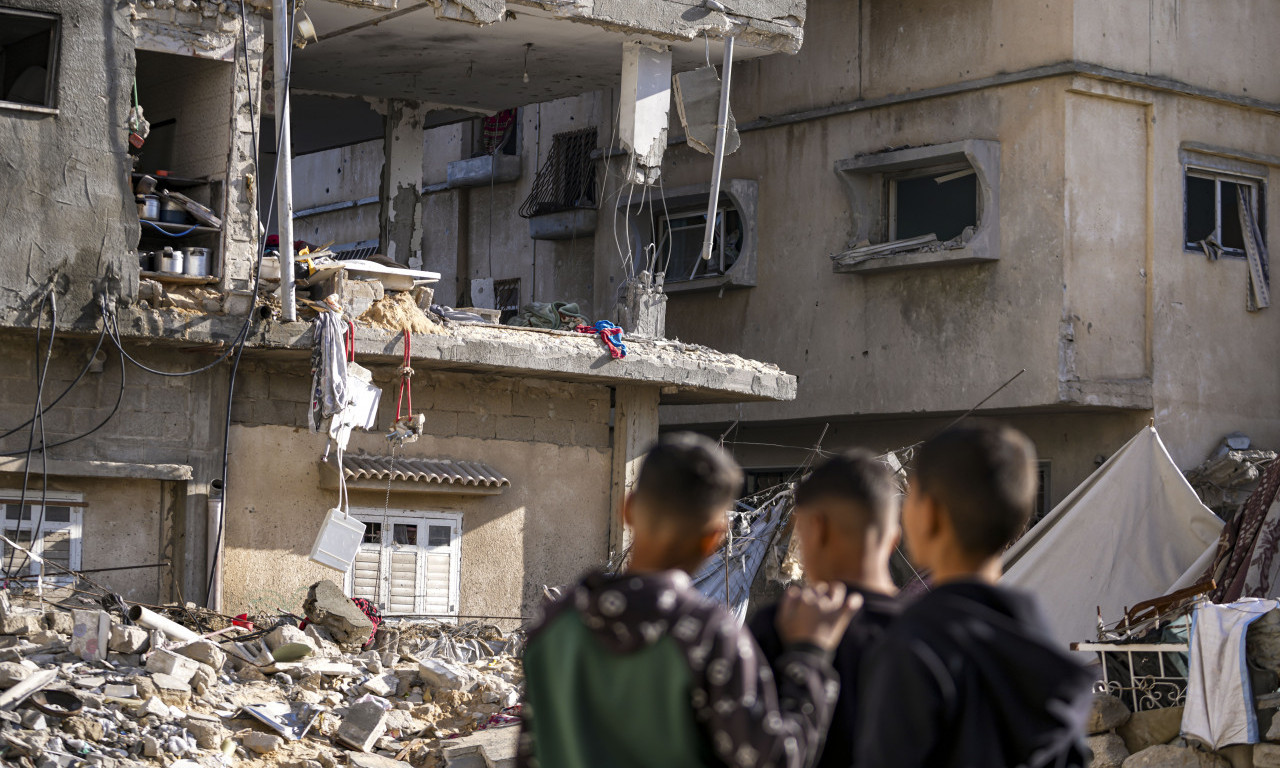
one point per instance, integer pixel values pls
(148, 207)
(172, 212)
(171, 261)
(146, 261)
(197, 262)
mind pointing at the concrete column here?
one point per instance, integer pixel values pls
(400, 221)
(635, 427)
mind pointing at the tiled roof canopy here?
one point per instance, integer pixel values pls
(441, 472)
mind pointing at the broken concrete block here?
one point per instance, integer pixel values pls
(128, 639)
(1108, 751)
(203, 678)
(1151, 727)
(60, 622)
(369, 760)
(204, 652)
(119, 691)
(91, 634)
(209, 733)
(697, 95)
(1106, 713)
(364, 724)
(21, 622)
(445, 676)
(152, 706)
(1169, 756)
(11, 673)
(327, 607)
(1266, 755)
(262, 743)
(171, 690)
(167, 662)
(381, 685)
(287, 634)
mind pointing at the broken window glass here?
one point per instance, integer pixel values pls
(405, 534)
(942, 202)
(1212, 207)
(373, 533)
(506, 298)
(28, 57)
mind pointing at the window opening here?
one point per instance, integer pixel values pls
(497, 134)
(567, 180)
(506, 298)
(679, 237)
(1212, 219)
(58, 539)
(941, 202)
(399, 572)
(28, 57)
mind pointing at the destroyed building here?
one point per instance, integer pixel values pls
(131, 128)
(932, 197)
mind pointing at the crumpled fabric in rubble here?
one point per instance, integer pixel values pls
(555, 316)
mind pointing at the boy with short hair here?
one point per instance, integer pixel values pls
(967, 676)
(846, 520)
(638, 669)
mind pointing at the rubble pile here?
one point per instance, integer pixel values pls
(1231, 473)
(83, 686)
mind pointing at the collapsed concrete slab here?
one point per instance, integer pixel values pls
(328, 607)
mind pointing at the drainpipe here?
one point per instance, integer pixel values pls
(216, 537)
(722, 120)
(280, 18)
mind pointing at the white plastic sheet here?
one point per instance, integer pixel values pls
(1125, 535)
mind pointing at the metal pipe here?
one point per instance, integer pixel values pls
(174, 631)
(281, 18)
(214, 538)
(722, 120)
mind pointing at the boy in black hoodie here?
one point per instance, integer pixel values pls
(846, 520)
(967, 676)
(638, 669)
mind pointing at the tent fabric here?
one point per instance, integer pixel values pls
(740, 558)
(1125, 535)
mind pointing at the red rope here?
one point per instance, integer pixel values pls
(405, 372)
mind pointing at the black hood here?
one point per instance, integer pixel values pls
(630, 611)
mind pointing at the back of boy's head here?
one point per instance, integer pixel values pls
(983, 476)
(861, 483)
(687, 479)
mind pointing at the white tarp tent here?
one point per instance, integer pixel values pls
(1125, 535)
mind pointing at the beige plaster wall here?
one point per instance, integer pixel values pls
(551, 440)
(124, 523)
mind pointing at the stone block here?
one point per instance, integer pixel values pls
(370, 760)
(91, 634)
(381, 685)
(21, 622)
(12, 673)
(209, 733)
(554, 431)
(60, 622)
(515, 428)
(128, 639)
(328, 607)
(167, 662)
(445, 676)
(591, 435)
(1106, 713)
(1151, 727)
(262, 743)
(1266, 755)
(481, 425)
(1170, 756)
(287, 634)
(1108, 751)
(204, 652)
(364, 724)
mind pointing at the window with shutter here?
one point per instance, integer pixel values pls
(52, 533)
(408, 564)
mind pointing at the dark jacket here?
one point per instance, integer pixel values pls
(868, 624)
(641, 670)
(967, 677)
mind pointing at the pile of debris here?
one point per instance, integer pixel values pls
(111, 689)
(1231, 473)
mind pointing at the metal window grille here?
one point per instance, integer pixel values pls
(567, 180)
(506, 297)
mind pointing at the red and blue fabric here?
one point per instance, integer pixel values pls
(610, 334)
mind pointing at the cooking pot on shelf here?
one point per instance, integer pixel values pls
(197, 262)
(172, 212)
(171, 261)
(148, 207)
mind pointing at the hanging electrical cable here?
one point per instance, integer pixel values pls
(102, 335)
(51, 300)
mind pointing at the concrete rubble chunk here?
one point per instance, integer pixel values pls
(262, 743)
(120, 691)
(203, 679)
(167, 662)
(367, 760)
(152, 706)
(382, 685)
(128, 639)
(363, 724)
(1150, 727)
(205, 652)
(60, 622)
(446, 676)
(1170, 756)
(1106, 713)
(287, 634)
(12, 672)
(328, 607)
(1266, 755)
(209, 733)
(1108, 751)
(21, 622)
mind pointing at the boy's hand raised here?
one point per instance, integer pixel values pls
(816, 614)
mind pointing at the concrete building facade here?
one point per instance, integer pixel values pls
(149, 383)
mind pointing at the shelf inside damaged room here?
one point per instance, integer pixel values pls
(183, 214)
